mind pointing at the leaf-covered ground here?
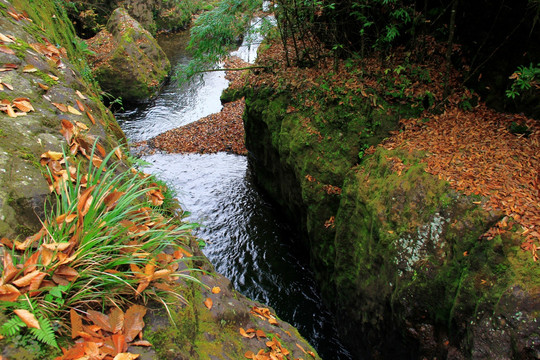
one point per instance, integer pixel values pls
(223, 131)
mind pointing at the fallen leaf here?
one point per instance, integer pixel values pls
(91, 118)
(61, 107)
(9, 292)
(208, 303)
(5, 39)
(6, 50)
(216, 290)
(141, 343)
(76, 323)
(72, 110)
(26, 280)
(116, 319)
(126, 356)
(29, 69)
(245, 334)
(43, 86)
(80, 105)
(100, 320)
(133, 321)
(28, 318)
(80, 95)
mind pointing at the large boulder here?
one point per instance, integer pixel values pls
(128, 61)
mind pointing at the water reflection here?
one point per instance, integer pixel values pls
(248, 243)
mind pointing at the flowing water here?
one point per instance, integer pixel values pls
(247, 241)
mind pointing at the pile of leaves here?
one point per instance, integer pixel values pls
(106, 336)
(223, 131)
(274, 349)
(477, 153)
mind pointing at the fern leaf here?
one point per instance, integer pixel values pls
(12, 326)
(46, 333)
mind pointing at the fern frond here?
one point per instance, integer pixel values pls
(46, 332)
(12, 326)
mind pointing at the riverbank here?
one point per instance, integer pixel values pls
(423, 239)
(75, 255)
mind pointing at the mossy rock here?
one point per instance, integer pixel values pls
(129, 63)
(399, 254)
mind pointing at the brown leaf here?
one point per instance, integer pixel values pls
(85, 201)
(56, 246)
(141, 343)
(6, 50)
(208, 303)
(126, 356)
(28, 318)
(100, 320)
(76, 323)
(67, 130)
(91, 117)
(80, 105)
(119, 342)
(66, 272)
(9, 292)
(260, 334)
(116, 319)
(133, 321)
(245, 334)
(61, 107)
(10, 111)
(29, 69)
(23, 105)
(26, 280)
(35, 284)
(43, 86)
(10, 271)
(111, 200)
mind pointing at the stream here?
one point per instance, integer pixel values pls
(247, 240)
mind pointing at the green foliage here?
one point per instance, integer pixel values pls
(214, 34)
(525, 79)
(15, 326)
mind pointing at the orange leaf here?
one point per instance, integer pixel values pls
(116, 319)
(100, 320)
(141, 343)
(28, 318)
(208, 302)
(91, 118)
(35, 284)
(180, 252)
(80, 105)
(6, 50)
(43, 86)
(249, 354)
(85, 200)
(120, 344)
(61, 107)
(133, 321)
(26, 280)
(216, 290)
(245, 334)
(76, 323)
(126, 356)
(29, 69)
(9, 292)
(260, 334)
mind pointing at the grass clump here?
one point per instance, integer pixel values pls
(105, 242)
